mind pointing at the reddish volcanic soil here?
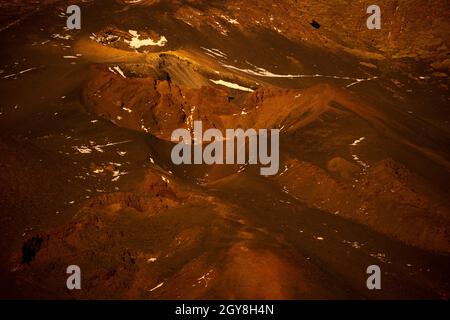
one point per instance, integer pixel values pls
(87, 179)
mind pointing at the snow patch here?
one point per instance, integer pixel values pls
(136, 42)
(117, 70)
(231, 85)
(356, 142)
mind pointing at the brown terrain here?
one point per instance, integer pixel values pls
(86, 177)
